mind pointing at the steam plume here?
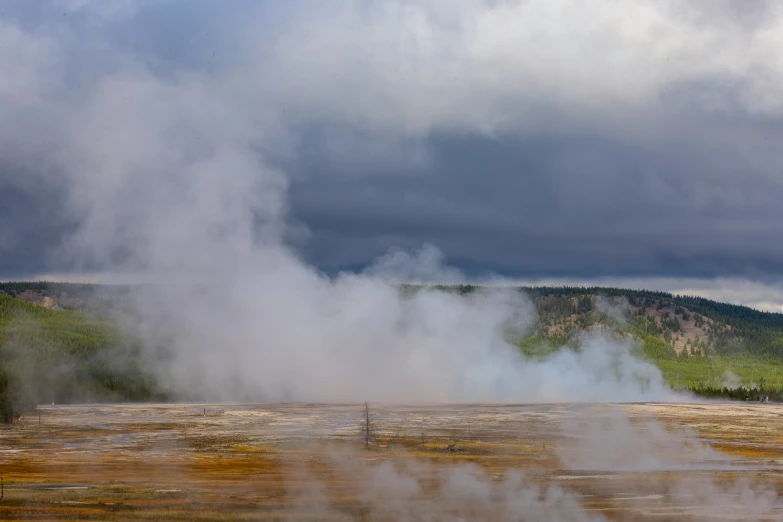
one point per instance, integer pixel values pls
(165, 176)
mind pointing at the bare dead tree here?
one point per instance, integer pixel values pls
(451, 444)
(393, 438)
(367, 427)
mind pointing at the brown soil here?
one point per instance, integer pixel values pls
(250, 462)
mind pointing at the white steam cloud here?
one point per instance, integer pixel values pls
(165, 176)
(609, 441)
(631, 462)
(285, 333)
(464, 492)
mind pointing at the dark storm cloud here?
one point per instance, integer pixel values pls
(565, 206)
(32, 228)
(512, 135)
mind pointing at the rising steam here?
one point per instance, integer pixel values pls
(165, 178)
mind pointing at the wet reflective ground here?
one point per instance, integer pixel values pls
(446, 462)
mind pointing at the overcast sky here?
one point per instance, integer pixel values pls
(532, 139)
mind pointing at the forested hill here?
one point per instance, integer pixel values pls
(690, 326)
(685, 322)
(49, 355)
(67, 296)
(59, 344)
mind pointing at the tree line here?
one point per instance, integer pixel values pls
(755, 394)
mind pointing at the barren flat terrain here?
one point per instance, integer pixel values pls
(700, 461)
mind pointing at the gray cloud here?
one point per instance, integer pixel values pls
(526, 138)
(558, 205)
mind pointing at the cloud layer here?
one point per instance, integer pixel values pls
(528, 138)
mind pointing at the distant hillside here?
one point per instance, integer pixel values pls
(67, 296)
(690, 325)
(58, 344)
(697, 343)
(49, 355)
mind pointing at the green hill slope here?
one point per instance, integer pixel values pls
(64, 356)
(56, 347)
(697, 343)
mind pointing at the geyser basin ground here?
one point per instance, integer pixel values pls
(305, 461)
